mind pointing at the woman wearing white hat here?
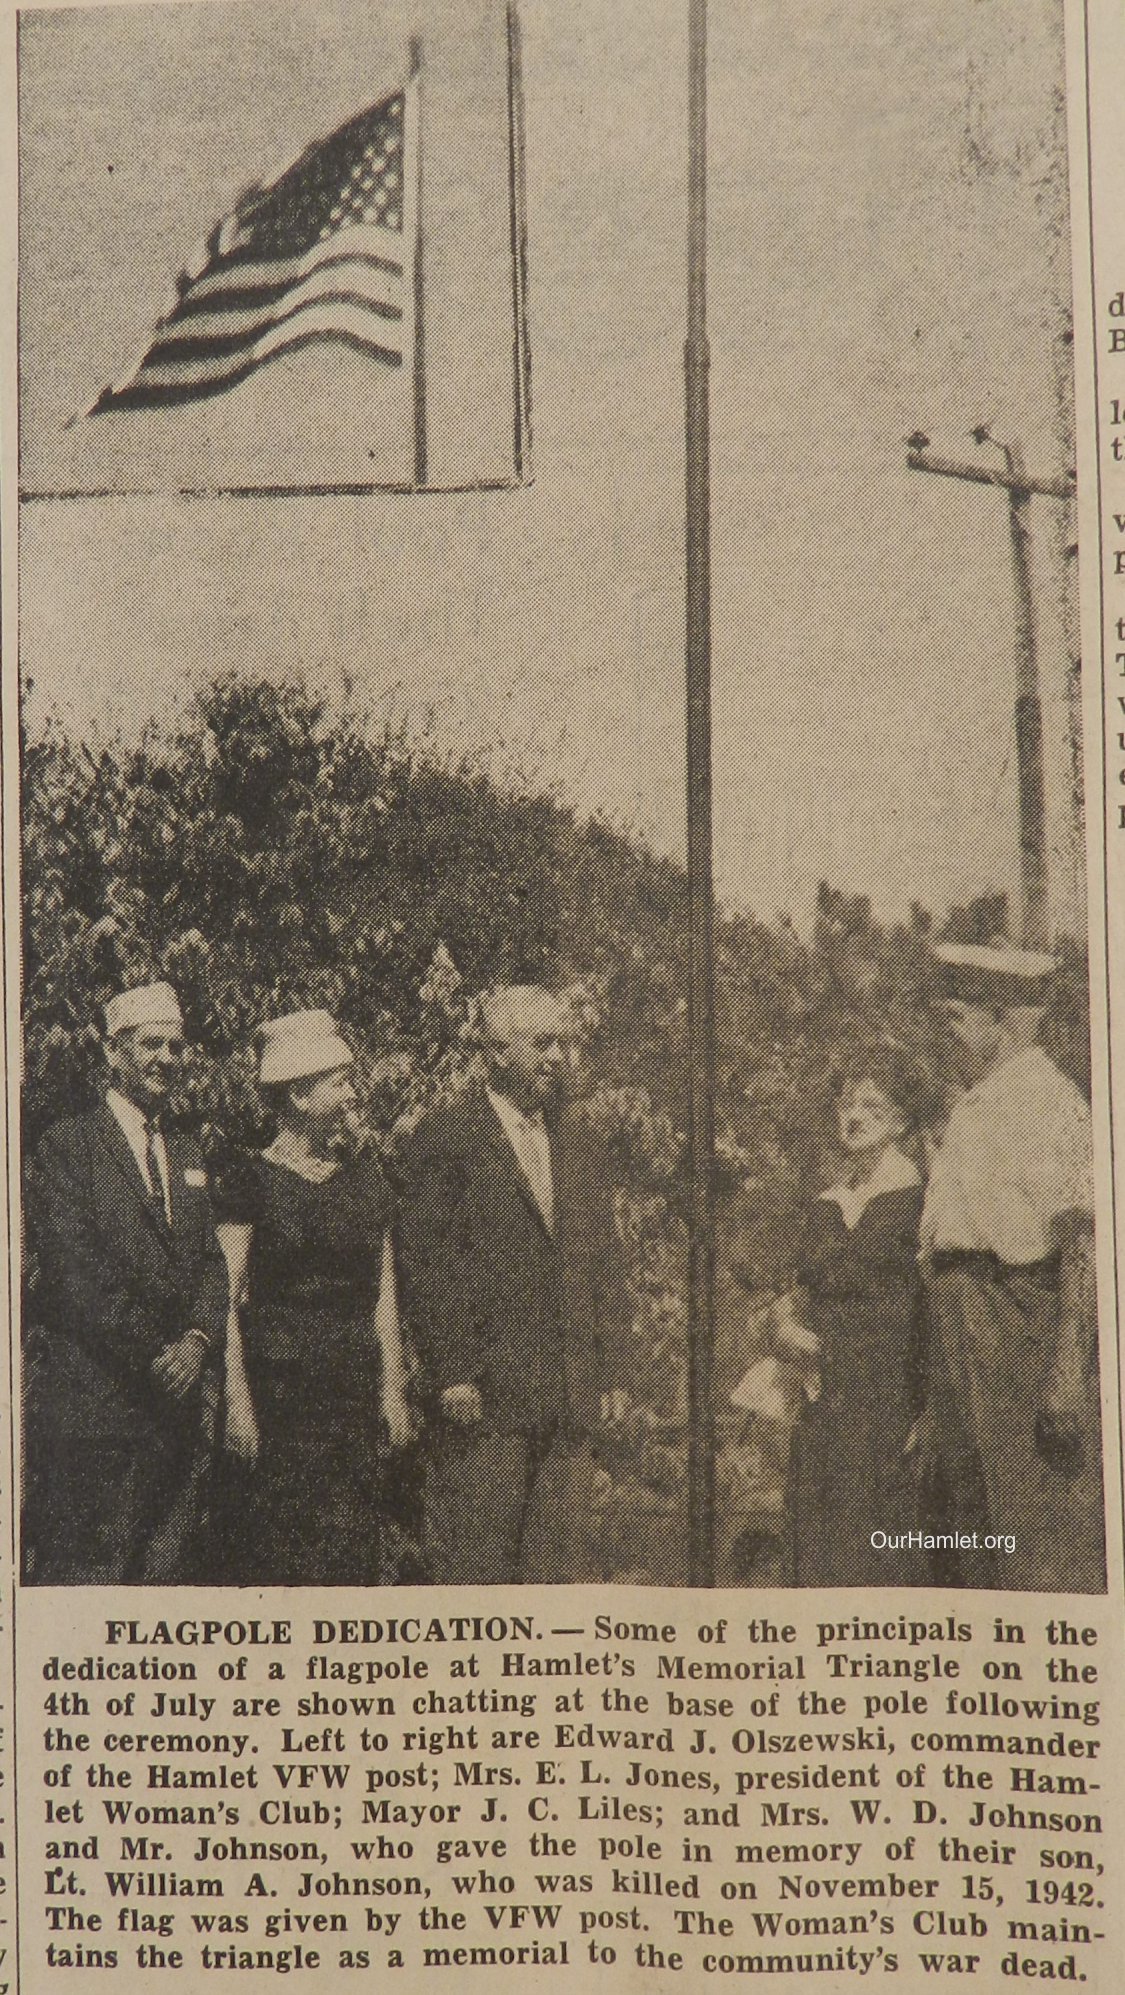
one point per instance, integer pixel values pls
(315, 1368)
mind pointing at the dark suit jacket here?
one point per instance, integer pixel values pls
(536, 1319)
(115, 1286)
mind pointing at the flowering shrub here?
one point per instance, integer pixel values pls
(270, 855)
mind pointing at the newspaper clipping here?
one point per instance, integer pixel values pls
(563, 744)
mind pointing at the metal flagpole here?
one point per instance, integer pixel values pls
(421, 459)
(701, 987)
(517, 213)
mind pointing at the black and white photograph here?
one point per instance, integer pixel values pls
(555, 972)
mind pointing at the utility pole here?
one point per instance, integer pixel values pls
(1028, 707)
(701, 902)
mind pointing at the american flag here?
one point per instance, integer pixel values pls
(324, 252)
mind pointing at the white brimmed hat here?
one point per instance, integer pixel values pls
(300, 1046)
(990, 974)
(145, 1004)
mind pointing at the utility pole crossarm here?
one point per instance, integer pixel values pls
(1014, 480)
(985, 474)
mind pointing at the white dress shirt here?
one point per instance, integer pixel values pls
(134, 1125)
(528, 1137)
(1016, 1157)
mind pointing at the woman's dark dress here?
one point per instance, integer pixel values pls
(311, 1505)
(848, 1476)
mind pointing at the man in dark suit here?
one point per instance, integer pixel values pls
(131, 1305)
(514, 1292)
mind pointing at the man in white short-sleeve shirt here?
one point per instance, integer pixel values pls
(1007, 1243)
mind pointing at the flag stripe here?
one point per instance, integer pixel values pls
(370, 289)
(317, 319)
(204, 345)
(146, 393)
(363, 241)
(233, 297)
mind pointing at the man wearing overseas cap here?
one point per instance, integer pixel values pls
(515, 1295)
(1007, 1239)
(132, 1299)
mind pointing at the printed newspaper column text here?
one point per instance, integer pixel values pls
(1115, 348)
(877, 1794)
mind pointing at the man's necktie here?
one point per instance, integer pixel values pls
(153, 1173)
(537, 1168)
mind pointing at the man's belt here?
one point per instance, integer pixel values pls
(989, 1266)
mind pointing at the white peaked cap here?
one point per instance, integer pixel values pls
(1012, 962)
(300, 1046)
(980, 973)
(146, 1004)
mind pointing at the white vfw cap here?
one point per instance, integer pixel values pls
(300, 1046)
(989, 974)
(146, 1004)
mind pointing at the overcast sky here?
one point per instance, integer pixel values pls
(881, 258)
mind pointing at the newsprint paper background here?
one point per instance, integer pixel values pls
(296, 737)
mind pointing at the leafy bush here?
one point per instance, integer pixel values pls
(271, 854)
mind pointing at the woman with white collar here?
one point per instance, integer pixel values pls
(852, 1490)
